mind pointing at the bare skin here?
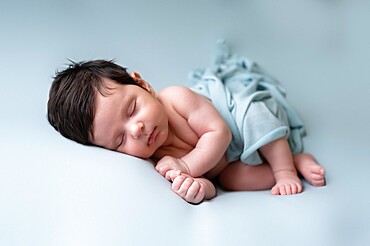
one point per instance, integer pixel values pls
(239, 176)
(311, 171)
(178, 129)
(280, 174)
(279, 157)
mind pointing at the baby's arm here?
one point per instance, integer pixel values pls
(214, 134)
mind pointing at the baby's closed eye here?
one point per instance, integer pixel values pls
(132, 108)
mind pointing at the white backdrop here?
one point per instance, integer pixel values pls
(56, 192)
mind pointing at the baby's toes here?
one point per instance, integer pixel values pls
(289, 189)
(300, 188)
(275, 190)
(296, 188)
(283, 190)
(317, 180)
(316, 169)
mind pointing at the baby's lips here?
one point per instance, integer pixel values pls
(152, 136)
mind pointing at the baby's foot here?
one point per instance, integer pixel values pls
(287, 183)
(311, 171)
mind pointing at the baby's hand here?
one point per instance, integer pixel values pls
(172, 174)
(190, 189)
(169, 163)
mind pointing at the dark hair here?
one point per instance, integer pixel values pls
(71, 104)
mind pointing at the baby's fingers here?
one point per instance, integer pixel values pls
(181, 185)
(183, 190)
(199, 197)
(162, 169)
(177, 182)
(189, 189)
(172, 174)
(195, 193)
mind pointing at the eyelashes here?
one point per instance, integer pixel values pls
(132, 109)
(130, 112)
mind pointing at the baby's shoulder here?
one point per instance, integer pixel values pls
(176, 93)
(175, 90)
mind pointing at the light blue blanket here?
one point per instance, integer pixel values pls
(252, 103)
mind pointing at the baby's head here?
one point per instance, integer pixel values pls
(73, 93)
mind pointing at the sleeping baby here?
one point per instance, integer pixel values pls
(233, 126)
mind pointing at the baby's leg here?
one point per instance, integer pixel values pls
(238, 176)
(311, 171)
(280, 159)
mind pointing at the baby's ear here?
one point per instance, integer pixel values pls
(142, 82)
(135, 75)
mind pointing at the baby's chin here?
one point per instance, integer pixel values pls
(147, 154)
(142, 155)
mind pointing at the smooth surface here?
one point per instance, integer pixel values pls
(56, 192)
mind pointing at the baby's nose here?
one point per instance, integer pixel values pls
(137, 129)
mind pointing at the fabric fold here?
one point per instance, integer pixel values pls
(252, 103)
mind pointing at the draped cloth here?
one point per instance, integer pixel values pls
(252, 103)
